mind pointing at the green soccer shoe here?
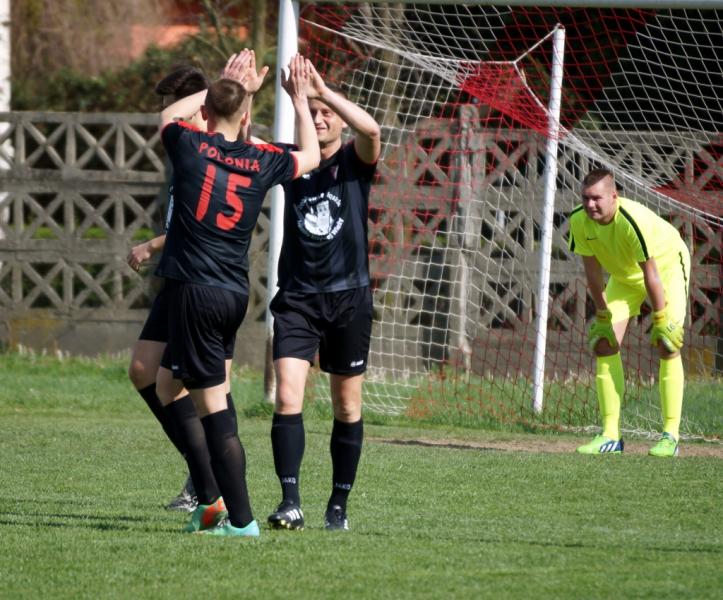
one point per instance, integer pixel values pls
(225, 529)
(667, 446)
(207, 516)
(602, 445)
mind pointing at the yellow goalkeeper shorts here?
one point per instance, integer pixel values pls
(624, 300)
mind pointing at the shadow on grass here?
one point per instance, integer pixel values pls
(89, 521)
(450, 445)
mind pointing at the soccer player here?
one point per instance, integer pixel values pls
(644, 256)
(147, 352)
(324, 302)
(220, 185)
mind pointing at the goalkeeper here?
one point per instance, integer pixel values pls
(645, 256)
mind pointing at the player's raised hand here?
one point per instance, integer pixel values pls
(316, 82)
(298, 81)
(666, 331)
(241, 67)
(237, 66)
(254, 78)
(601, 329)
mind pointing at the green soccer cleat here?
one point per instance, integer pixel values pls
(207, 516)
(602, 445)
(226, 529)
(667, 446)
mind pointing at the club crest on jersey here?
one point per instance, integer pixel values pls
(318, 216)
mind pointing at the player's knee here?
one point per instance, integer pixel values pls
(138, 374)
(603, 348)
(666, 354)
(289, 400)
(347, 408)
(347, 414)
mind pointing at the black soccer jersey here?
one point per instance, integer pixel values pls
(325, 247)
(218, 190)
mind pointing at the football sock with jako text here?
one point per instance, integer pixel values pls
(288, 443)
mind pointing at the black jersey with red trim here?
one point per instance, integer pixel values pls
(325, 247)
(218, 190)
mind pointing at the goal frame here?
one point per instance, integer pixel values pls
(283, 130)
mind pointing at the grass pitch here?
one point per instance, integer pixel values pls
(86, 469)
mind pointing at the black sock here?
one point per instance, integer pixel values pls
(288, 442)
(232, 410)
(229, 465)
(345, 447)
(183, 415)
(148, 393)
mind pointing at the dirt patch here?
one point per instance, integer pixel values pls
(541, 444)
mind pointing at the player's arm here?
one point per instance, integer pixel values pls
(182, 109)
(142, 252)
(368, 135)
(601, 327)
(653, 285)
(595, 281)
(297, 85)
(665, 330)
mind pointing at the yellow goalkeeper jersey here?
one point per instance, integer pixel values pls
(633, 236)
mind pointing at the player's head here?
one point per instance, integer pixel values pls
(599, 196)
(327, 123)
(179, 83)
(226, 102)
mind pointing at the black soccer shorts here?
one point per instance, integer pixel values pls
(337, 324)
(155, 328)
(202, 325)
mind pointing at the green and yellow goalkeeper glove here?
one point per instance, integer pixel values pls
(601, 329)
(666, 331)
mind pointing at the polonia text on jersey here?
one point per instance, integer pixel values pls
(244, 164)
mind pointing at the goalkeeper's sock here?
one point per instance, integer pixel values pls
(288, 441)
(671, 381)
(228, 459)
(610, 384)
(185, 418)
(148, 393)
(345, 447)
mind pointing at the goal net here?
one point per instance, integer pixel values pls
(462, 92)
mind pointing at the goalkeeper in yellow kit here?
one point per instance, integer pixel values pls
(644, 256)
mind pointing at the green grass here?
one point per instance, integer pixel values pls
(85, 471)
(504, 404)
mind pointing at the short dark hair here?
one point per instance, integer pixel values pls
(224, 98)
(181, 82)
(597, 175)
